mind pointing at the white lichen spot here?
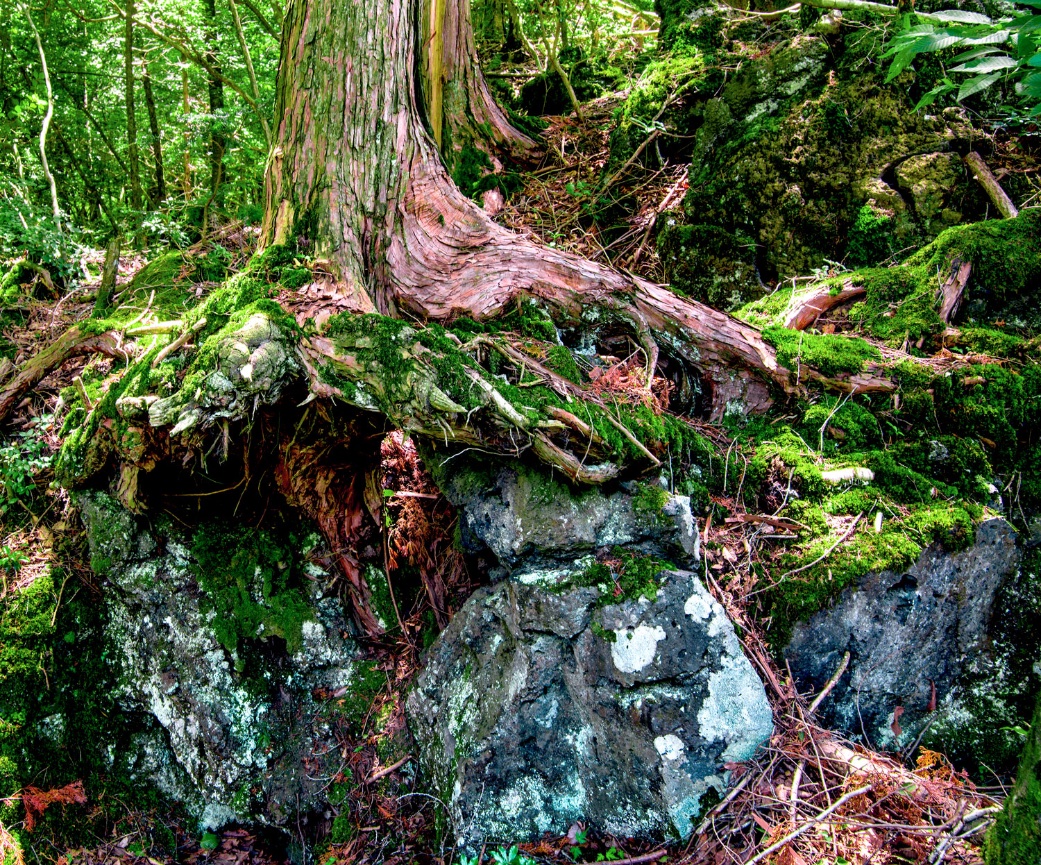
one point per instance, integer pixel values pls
(634, 649)
(670, 747)
(736, 710)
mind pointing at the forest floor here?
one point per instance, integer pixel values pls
(831, 801)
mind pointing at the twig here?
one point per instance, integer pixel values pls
(645, 857)
(830, 683)
(179, 342)
(823, 815)
(829, 551)
(382, 773)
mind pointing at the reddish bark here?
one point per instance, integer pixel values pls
(357, 178)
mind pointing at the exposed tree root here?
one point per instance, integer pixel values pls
(73, 343)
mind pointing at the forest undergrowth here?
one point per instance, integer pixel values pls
(812, 795)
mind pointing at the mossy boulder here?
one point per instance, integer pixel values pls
(930, 651)
(797, 143)
(544, 531)
(1015, 837)
(219, 639)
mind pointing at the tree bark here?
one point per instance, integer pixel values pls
(356, 180)
(157, 142)
(133, 159)
(460, 108)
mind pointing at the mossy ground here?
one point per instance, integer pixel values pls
(1015, 837)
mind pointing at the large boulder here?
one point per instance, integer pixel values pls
(940, 645)
(220, 654)
(541, 706)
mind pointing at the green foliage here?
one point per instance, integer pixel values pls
(1006, 49)
(22, 459)
(253, 582)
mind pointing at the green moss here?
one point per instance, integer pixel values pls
(253, 582)
(830, 354)
(367, 681)
(1015, 837)
(281, 264)
(649, 500)
(871, 238)
(561, 361)
(624, 576)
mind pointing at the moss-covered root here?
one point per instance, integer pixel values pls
(1015, 838)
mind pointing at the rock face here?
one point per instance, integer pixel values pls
(539, 707)
(908, 633)
(231, 726)
(540, 529)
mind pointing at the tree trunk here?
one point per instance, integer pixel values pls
(133, 160)
(355, 179)
(460, 108)
(157, 142)
(218, 139)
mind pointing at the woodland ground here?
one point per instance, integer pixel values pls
(393, 823)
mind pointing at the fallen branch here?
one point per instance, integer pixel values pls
(383, 773)
(830, 683)
(805, 313)
(70, 344)
(990, 185)
(809, 824)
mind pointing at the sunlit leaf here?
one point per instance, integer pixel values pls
(975, 85)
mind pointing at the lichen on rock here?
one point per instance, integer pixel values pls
(528, 719)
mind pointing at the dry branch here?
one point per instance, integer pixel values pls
(990, 185)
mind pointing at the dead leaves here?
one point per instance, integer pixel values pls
(37, 801)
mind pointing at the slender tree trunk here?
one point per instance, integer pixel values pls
(157, 141)
(186, 109)
(248, 58)
(355, 178)
(55, 209)
(133, 159)
(218, 139)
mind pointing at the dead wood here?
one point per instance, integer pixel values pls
(807, 308)
(953, 289)
(999, 198)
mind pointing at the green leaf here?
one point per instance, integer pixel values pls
(961, 17)
(973, 54)
(986, 64)
(995, 38)
(975, 85)
(1035, 60)
(934, 94)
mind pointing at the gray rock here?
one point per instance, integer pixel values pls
(907, 633)
(538, 708)
(227, 742)
(541, 529)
